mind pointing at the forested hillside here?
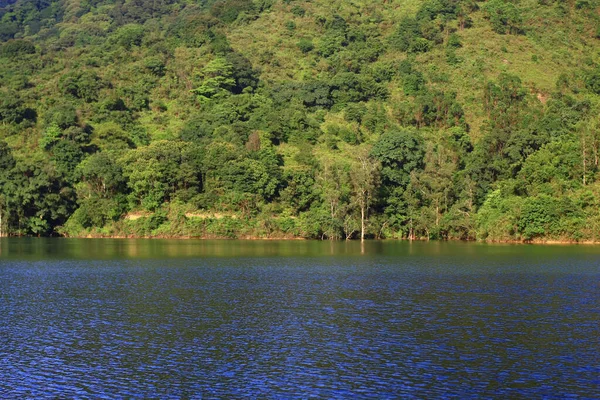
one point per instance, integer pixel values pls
(437, 119)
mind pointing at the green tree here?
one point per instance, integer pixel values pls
(305, 45)
(15, 48)
(160, 172)
(7, 166)
(399, 152)
(217, 78)
(364, 177)
(504, 16)
(129, 35)
(12, 108)
(43, 201)
(333, 184)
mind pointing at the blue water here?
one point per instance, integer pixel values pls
(319, 320)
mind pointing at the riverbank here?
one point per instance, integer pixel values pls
(168, 224)
(537, 241)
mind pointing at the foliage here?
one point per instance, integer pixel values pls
(12, 108)
(440, 119)
(504, 16)
(17, 47)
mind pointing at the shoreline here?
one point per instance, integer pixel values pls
(552, 242)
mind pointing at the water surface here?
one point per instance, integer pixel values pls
(297, 319)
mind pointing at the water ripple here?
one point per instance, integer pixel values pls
(293, 328)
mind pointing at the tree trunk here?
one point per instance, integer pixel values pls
(583, 158)
(362, 223)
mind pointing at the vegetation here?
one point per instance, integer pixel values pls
(420, 119)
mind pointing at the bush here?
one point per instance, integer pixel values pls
(290, 26)
(420, 45)
(305, 45)
(298, 11)
(454, 41)
(592, 80)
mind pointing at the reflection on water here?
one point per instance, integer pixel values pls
(231, 319)
(146, 248)
(63, 248)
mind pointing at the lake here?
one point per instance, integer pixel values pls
(104, 318)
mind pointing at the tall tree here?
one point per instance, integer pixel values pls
(364, 176)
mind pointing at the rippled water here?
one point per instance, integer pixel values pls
(187, 319)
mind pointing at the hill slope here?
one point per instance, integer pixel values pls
(322, 119)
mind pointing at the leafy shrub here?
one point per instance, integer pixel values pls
(298, 11)
(305, 45)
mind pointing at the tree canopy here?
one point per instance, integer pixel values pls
(422, 119)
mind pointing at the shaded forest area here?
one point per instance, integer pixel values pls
(420, 119)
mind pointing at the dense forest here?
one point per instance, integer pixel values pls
(329, 119)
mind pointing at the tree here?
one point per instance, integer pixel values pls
(242, 72)
(82, 85)
(399, 152)
(364, 176)
(12, 108)
(7, 165)
(333, 184)
(406, 33)
(305, 45)
(129, 35)
(434, 189)
(101, 190)
(14, 48)
(42, 200)
(217, 78)
(63, 115)
(67, 155)
(160, 172)
(102, 176)
(504, 16)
